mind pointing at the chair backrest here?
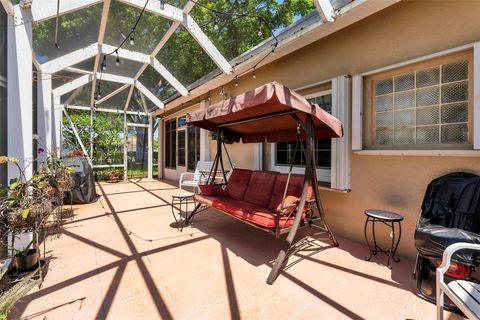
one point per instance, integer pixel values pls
(202, 171)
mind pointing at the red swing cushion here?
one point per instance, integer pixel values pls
(256, 196)
(212, 190)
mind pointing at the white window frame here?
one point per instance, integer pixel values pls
(357, 108)
(339, 173)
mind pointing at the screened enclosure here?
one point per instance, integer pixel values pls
(103, 69)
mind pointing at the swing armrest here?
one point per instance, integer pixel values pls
(288, 207)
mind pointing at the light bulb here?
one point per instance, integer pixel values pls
(104, 66)
(236, 81)
(117, 62)
(162, 5)
(132, 41)
(260, 33)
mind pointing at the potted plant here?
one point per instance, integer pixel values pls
(114, 174)
(24, 205)
(60, 176)
(26, 258)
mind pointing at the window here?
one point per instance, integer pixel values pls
(182, 122)
(427, 105)
(181, 148)
(193, 138)
(284, 150)
(171, 144)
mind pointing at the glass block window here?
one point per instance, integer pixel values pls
(285, 150)
(427, 106)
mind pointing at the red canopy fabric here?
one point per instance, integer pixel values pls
(265, 114)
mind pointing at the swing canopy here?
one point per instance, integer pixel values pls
(269, 113)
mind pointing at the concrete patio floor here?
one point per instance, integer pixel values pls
(122, 258)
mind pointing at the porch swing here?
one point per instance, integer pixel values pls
(274, 202)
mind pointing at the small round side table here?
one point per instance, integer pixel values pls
(389, 219)
(181, 198)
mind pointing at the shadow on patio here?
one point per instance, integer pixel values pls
(122, 259)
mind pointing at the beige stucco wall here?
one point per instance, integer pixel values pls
(405, 31)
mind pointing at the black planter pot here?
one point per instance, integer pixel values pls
(28, 262)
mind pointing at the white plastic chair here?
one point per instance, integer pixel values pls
(464, 294)
(200, 175)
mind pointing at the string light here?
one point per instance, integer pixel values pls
(104, 63)
(132, 43)
(222, 92)
(236, 81)
(215, 22)
(254, 76)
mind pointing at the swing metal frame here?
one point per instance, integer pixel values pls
(314, 216)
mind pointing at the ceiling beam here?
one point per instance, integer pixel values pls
(7, 5)
(84, 108)
(202, 39)
(325, 9)
(149, 94)
(69, 59)
(114, 78)
(72, 85)
(129, 97)
(147, 60)
(111, 94)
(101, 36)
(160, 68)
(168, 11)
(125, 53)
(43, 10)
(76, 70)
(157, 65)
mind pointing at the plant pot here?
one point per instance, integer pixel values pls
(28, 262)
(115, 180)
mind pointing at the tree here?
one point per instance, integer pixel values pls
(107, 135)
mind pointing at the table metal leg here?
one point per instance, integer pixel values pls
(375, 247)
(396, 259)
(173, 212)
(366, 240)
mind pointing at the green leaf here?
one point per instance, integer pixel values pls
(10, 202)
(14, 183)
(25, 213)
(43, 184)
